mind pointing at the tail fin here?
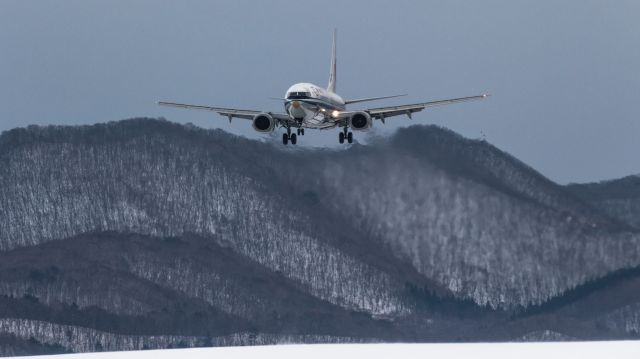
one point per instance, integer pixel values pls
(332, 73)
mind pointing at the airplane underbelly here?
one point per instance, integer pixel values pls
(317, 122)
(298, 111)
(311, 114)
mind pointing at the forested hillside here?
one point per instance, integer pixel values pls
(145, 234)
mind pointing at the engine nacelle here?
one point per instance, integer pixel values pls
(264, 122)
(360, 121)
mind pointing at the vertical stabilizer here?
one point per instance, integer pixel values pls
(332, 73)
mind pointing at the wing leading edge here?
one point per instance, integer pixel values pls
(371, 99)
(383, 112)
(227, 112)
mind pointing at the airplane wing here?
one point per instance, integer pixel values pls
(366, 99)
(227, 112)
(383, 112)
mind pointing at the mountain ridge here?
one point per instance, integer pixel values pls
(416, 237)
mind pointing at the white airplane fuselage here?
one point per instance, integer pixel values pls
(313, 105)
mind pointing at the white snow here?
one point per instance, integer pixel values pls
(582, 350)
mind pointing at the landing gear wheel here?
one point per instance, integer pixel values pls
(341, 137)
(285, 138)
(302, 132)
(298, 132)
(350, 137)
(294, 138)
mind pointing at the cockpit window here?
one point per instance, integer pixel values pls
(297, 95)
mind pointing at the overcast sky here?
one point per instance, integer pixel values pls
(564, 75)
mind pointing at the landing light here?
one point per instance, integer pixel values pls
(335, 113)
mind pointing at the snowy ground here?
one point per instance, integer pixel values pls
(582, 350)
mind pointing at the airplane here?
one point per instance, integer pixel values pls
(310, 106)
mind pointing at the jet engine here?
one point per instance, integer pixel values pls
(360, 121)
(264, 122)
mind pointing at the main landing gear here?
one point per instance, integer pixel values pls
(345, 134)
(286, 137)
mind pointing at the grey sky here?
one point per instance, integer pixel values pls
(564, 75)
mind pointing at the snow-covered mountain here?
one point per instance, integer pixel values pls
(146, 234)
(619, 198)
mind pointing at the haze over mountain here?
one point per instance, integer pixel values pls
(148, 234)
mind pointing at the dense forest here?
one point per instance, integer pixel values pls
(144, 233)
